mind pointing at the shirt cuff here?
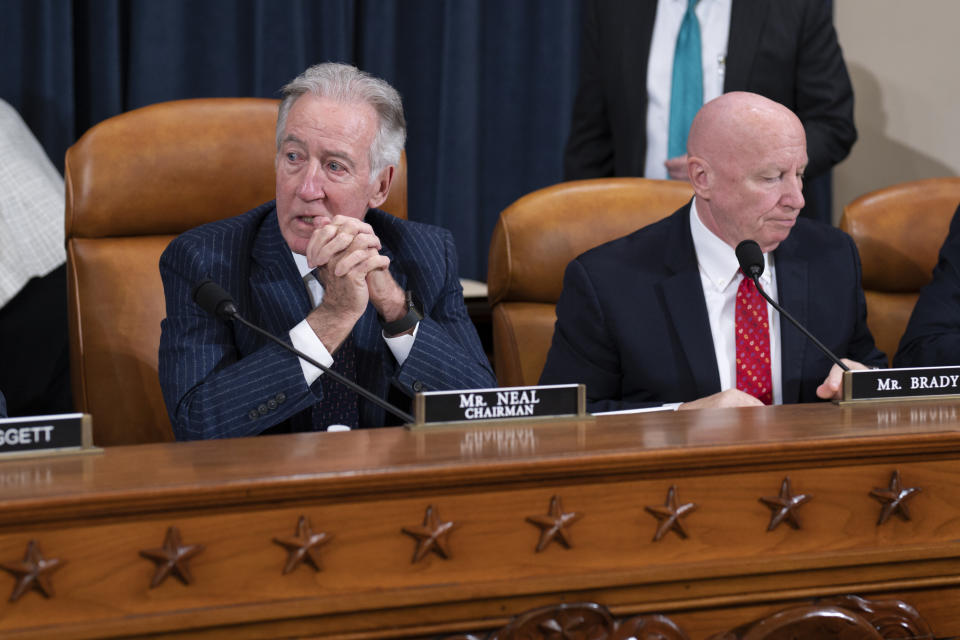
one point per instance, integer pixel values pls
(304, 339)
(401, 345)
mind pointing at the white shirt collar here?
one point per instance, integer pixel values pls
(717, 260)
(301, 262)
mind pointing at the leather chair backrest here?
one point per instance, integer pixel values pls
(898, 231)
(133, 182)
(534, 240)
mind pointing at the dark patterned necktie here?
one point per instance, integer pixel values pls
(339, 404)
(753, 343)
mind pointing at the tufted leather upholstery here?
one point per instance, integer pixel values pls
(898, 231)
(534, 240)
(133, 183)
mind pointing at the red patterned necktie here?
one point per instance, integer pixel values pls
(753, 343)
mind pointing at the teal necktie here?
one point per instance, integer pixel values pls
(686, 90)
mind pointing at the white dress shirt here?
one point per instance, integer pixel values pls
(714, 17)
(31, 207)
(720, 276)
(303, 337)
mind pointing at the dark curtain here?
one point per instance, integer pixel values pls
(487, 84)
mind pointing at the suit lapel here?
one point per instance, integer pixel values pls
(747, 18)
(791, 291)
(276, 288)
(687, 307)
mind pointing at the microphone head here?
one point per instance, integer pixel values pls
(750, 258)
(213, 299)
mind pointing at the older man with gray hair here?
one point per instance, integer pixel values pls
(374, 297)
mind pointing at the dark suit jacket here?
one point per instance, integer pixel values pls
(786, 50)
(3, 406)
(217, 375)
(932, 337)
(632, 318)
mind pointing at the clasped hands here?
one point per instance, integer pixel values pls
(346, 253)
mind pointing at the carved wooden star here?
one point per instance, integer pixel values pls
(553, 525)
(894, 498)
(304, 547)
(172, 558)
(783, 507)
(432, 535)
(670, 515)
(33, 572)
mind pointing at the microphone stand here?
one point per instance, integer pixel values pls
(350, 384)
(756, 280)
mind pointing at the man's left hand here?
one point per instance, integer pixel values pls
(387, 297)
(833, 385)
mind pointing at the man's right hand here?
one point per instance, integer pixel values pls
(345, 250)
(728, 398)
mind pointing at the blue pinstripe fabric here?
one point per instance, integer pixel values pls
(216, 375)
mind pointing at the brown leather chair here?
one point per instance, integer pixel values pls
(133, 183)
(898, 231)
(534, 240)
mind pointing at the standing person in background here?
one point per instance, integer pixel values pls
(34, 352)
(646, 67)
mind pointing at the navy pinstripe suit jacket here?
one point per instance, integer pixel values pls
(216, 375)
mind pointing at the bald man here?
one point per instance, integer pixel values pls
(653, 318)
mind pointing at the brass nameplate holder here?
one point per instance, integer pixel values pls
(500, 404)
(66, 433)
(885, 385)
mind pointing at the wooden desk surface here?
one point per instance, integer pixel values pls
(97, 512)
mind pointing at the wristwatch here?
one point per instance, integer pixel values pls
(407, 322)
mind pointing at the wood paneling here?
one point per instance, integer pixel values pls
(365, 489)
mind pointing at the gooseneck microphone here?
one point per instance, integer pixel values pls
(213, 299)
(750, 258)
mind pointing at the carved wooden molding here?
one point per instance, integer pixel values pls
(433, 535)
(894, 498)
(844, 617)
(304, 546)
(670, 515)
(587, 621)
(784, 507)
(172, 558)
(33, 572)
(554, 525)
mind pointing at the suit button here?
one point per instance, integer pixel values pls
(417, 385)
(262, 409)
(281, 397)
(271, 404)
(253, 415)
